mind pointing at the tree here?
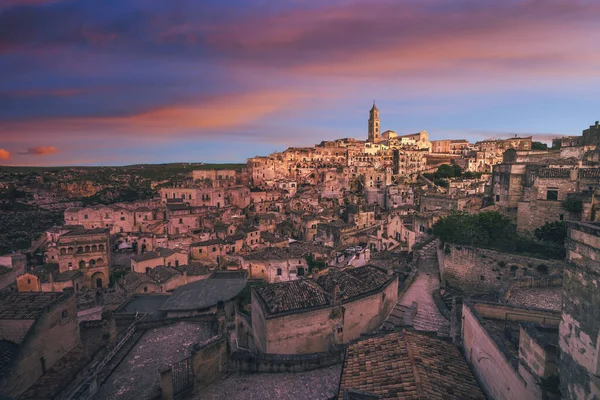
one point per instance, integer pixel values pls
(539, 146)
(553, 232)
(445, 171)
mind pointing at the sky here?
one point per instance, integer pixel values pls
(114, 82)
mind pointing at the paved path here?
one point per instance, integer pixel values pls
(428, 316)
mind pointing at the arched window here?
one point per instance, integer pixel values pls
(92, 263)
(63, 251)
(94, 248)
(101, 247)
(87, 249)
(70, 250)
(80, 249)
(100, 262)
(81, 264)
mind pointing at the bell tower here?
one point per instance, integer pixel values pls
(374, 130)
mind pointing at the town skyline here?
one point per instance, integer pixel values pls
(156, 83)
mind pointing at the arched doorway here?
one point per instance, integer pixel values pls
(98, 280)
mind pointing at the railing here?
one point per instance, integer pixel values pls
(87, 387)
(182, 375)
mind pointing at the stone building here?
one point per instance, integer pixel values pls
(47, 278)
(307, 316)
(512, 350)
(36, 330)
(218, 178)
(11, 266)
(117, 218)
(87, 250)
(374, 128)
(160, 257)
(579, 362)
(275, 264)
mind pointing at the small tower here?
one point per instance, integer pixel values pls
(374, 130)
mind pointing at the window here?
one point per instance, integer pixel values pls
(64, 314)
(145, 218)
(278, 271)
(552, 194)
(181, 220)
(481, 278)
(214, 249)
(28, 281)
(340, 329)
(122, 218)
(300, 271)
(145, 288)
(70, 265)
(561, 217)
(85, 216)
(497, 197)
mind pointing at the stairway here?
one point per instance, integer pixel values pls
(396, 317)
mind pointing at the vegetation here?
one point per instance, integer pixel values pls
(552, 232)
(494, 231)
(573, 204)
(539, 146)
(446, 171)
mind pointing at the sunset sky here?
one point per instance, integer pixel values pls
(115, 82)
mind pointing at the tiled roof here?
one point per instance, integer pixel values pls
(293, 295)
(26, 305)
(162, 274)
(406, 365)
(304, 294)
(354, 282)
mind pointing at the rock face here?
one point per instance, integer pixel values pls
(79, 189)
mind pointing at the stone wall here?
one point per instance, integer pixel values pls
(533, 214)
(243, 361)
(580, 326)
(318, 330)
(477, 270)
(50, 337)
(210, 361)
(492, 368)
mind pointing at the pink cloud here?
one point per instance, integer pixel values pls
(41, 150)
(4, 154)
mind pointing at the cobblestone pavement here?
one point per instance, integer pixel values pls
(137, 375)
(428, 316)
(318, 384)
(548, 298)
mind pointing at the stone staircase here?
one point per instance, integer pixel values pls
(396, 317)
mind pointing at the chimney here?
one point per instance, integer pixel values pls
(336, 295)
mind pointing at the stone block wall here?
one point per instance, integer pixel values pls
(477, 270)
(533, 214)
(579, 361)
(210, 361)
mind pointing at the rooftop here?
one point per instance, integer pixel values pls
(304, 294)
(354, 282)
(80, 232)
(291, 296)
(221, 286)
(26, 305)
(409, 366)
